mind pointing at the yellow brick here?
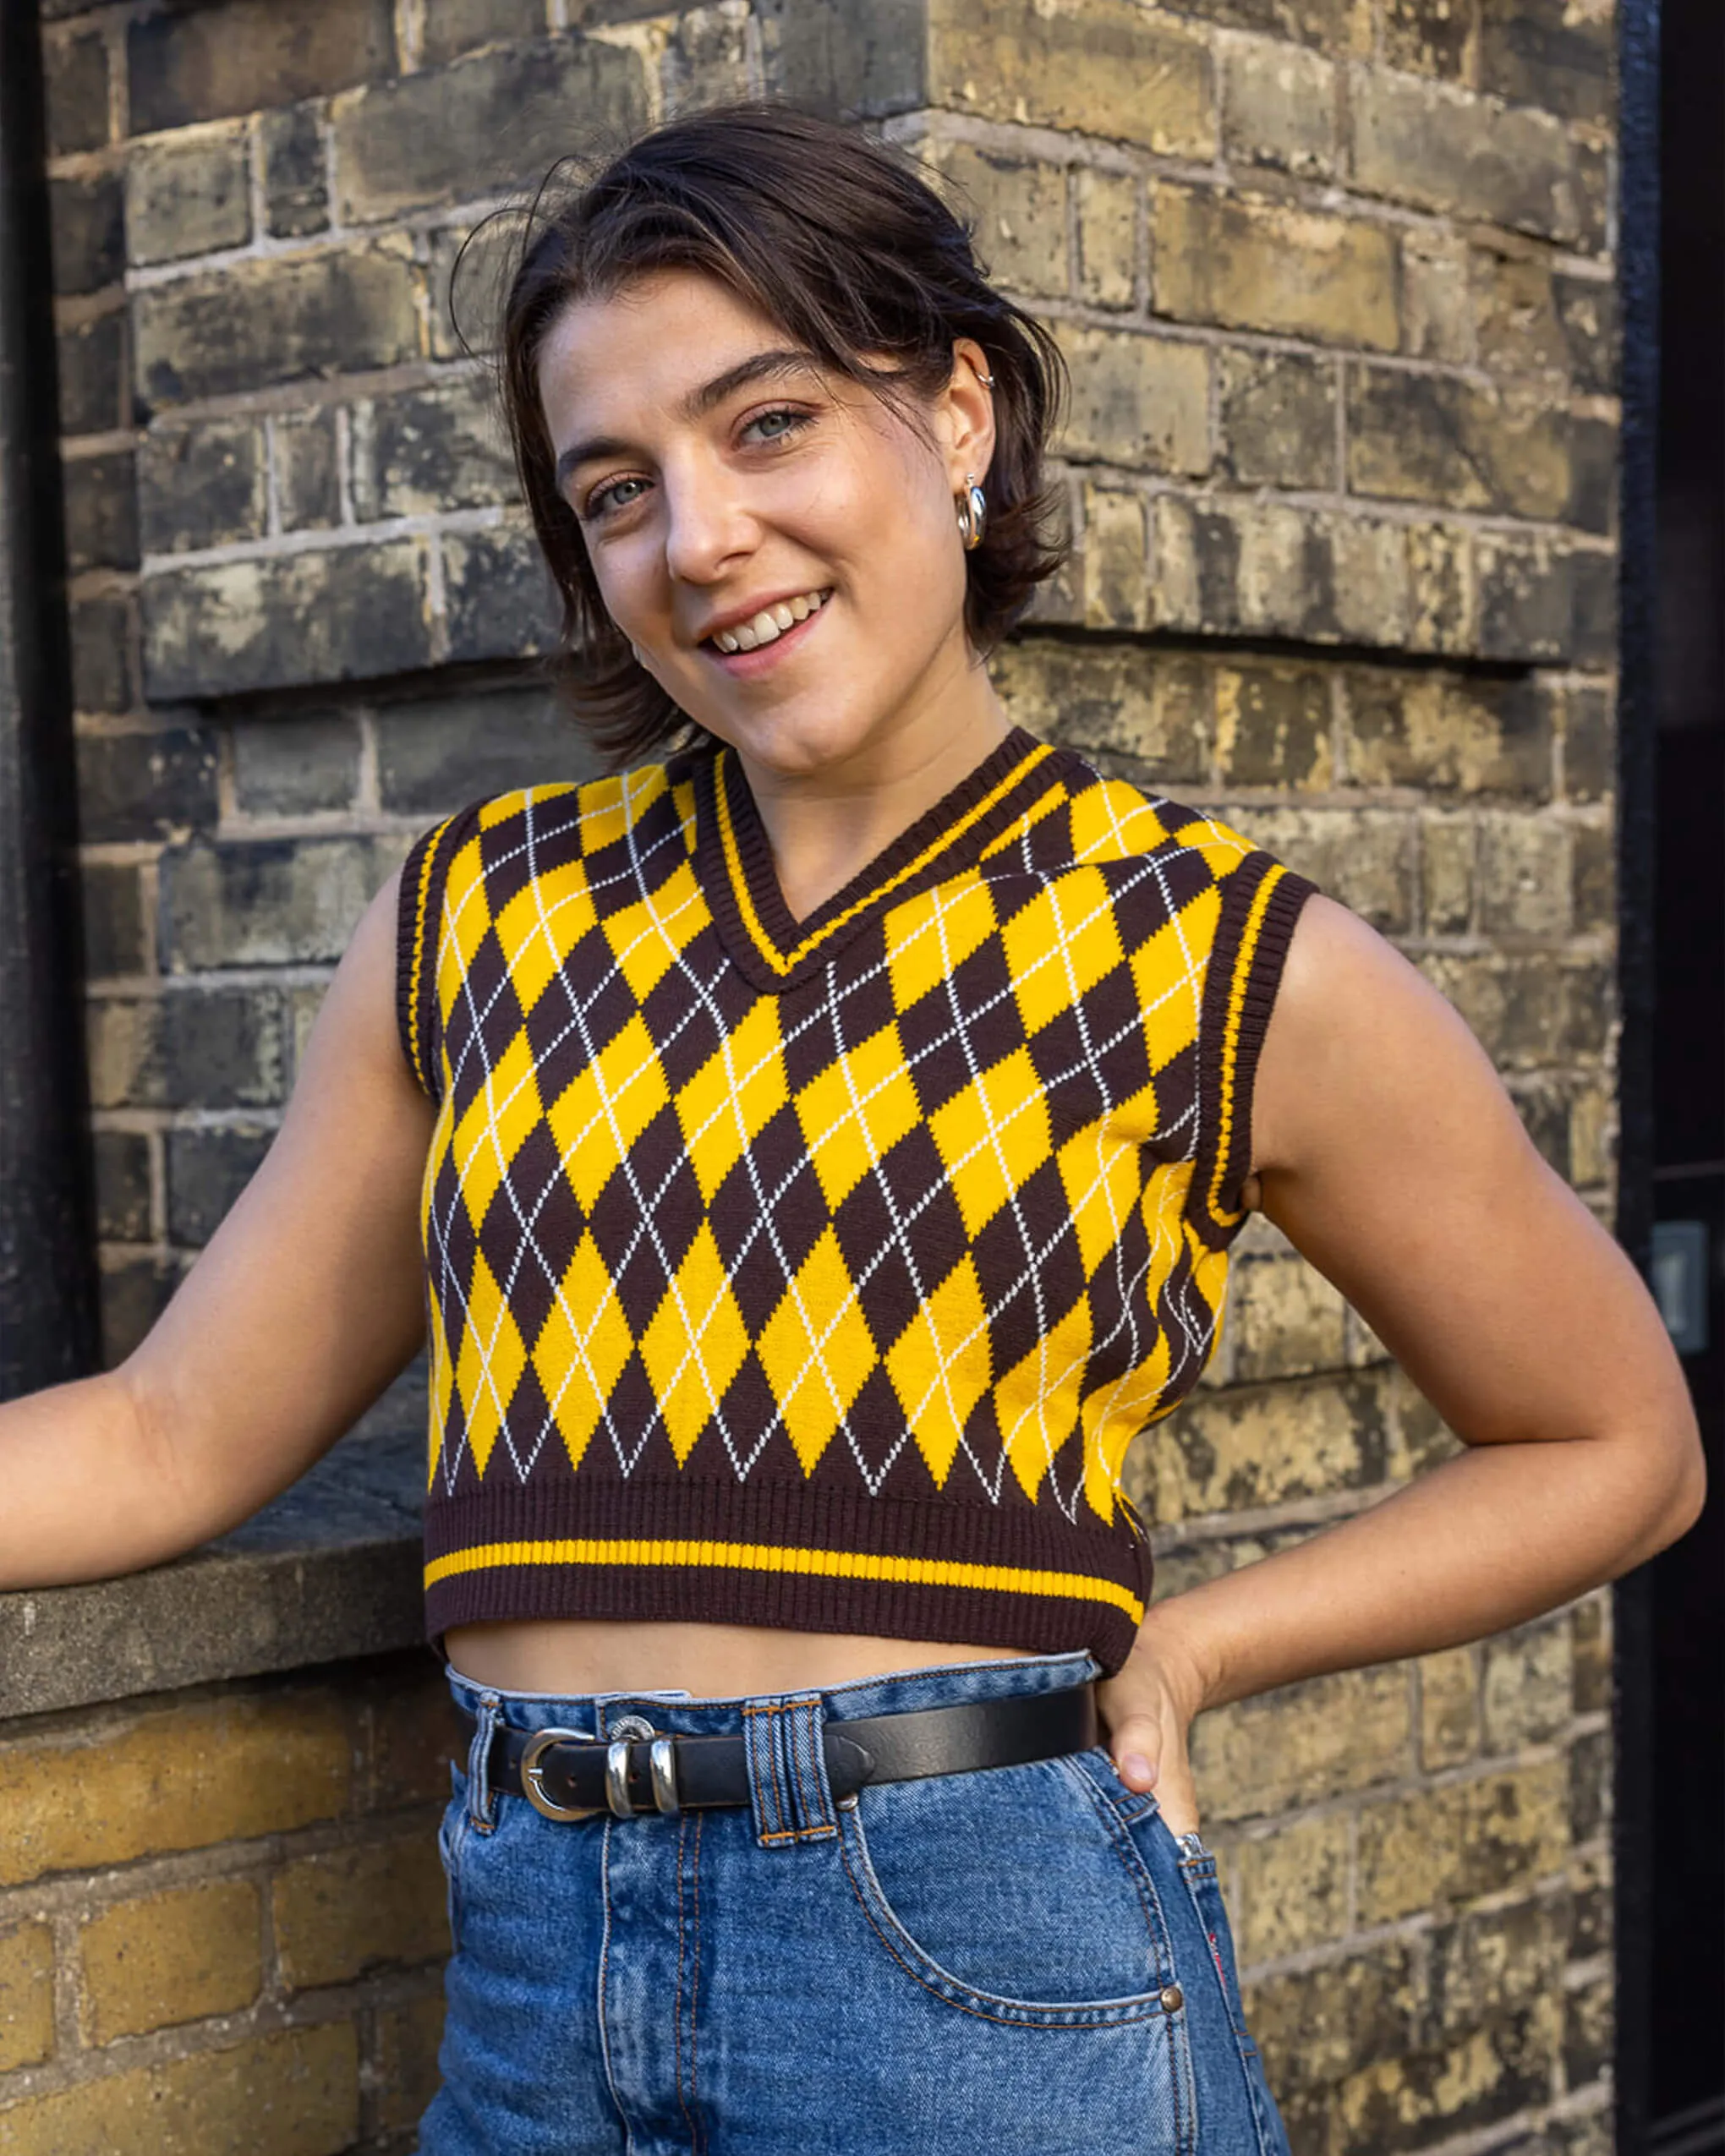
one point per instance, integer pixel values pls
(1116, 566)
(1273, 728)
(1468, 1838)
(1491, 1961)
(1259, 266)
(1590, 1630)
(171, 1958)
(1113, 696)
(1437, 297)
(1324, 2022)
(1279, 103)
(1259, 1447)
(1448, 851)
(1397, 2102)
(1239, 567)
(1291, 1889)
(1107, 205)
(1138, 401)
(1442, 589)
(1303, 1743)
(1407, 729)
(1528, 1683)
(408, 2037)
(294, 2094)
(1099, 66)
(26, 1996)
(339, 1914)
(1419, 1436)
(1286, 1318)
(1592, 1137)
(1366, 859)
(1019, 211)
(1449, 1707)
(1436, 438)
(177, 1778)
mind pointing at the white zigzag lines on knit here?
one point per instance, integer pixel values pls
(648, 1226)
(548, 1422)
(1195, 1320)
(449, 1272)
(766, 1206)
(1016, 1203)
(768, 1202)
(1081, 1017)
(1045, 1391)
(475, 893)
(487, 1348)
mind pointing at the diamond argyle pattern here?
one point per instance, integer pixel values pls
(819, 1274)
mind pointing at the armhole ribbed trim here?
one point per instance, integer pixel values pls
(1260, 903)
(420, 910)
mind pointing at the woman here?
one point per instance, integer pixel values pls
(817, 1149)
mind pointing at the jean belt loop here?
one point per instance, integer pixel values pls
(789, 1795)
(489, 1714)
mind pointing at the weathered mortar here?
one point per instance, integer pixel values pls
(1335, 280)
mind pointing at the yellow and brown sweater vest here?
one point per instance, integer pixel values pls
(819, 1273)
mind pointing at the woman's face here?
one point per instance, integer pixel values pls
(779, 545)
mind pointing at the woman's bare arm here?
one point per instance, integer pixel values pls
(1391, 1158)
(307, 1301)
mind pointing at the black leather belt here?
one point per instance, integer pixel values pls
(563, 1773)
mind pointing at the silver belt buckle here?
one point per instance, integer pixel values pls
(533, 1774)
(661, 1762)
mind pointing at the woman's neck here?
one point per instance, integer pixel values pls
(826, 825)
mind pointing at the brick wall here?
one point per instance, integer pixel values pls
(221, 1919)
(1335, 280)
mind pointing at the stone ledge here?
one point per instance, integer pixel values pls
(331, 1569)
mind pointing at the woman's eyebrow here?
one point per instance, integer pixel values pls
(759, 366)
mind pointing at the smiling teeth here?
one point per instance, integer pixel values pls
(770, 623)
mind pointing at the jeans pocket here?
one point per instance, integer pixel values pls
(1013, 1892)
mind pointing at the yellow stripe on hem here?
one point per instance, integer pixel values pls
(760, 1557)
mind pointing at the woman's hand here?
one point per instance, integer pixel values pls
(1149, 1705)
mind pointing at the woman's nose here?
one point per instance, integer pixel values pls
(707, 527)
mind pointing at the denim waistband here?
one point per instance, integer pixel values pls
(943, 1684)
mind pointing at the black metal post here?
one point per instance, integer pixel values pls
(1638, 720)
(47, 1278)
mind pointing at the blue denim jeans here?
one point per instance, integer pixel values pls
(1023, 1961)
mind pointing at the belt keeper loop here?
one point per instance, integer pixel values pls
(489, 1715)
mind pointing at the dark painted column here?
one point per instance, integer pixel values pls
(48, 1277)
(1638, 262)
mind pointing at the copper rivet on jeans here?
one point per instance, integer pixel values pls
(1173, 1998)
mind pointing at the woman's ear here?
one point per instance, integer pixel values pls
(965, 408)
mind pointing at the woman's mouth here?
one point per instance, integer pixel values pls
(748, 647)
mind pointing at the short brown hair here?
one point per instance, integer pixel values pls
(836, 240)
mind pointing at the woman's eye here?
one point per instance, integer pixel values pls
(615, 493)
(776, 424)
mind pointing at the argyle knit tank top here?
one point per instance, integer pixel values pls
(819, 1274)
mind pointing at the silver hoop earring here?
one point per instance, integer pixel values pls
(973, 513)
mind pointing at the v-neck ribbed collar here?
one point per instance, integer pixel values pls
(734, 858)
